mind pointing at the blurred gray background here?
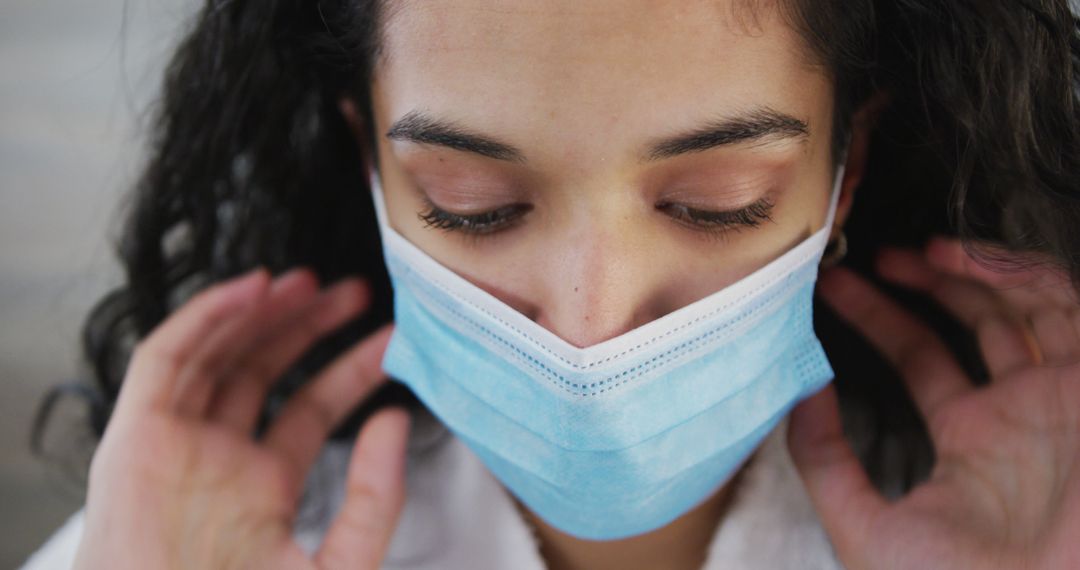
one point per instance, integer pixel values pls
(75, 82)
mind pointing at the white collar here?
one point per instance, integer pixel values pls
(457, 515)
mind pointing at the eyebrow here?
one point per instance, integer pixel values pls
(754, 125)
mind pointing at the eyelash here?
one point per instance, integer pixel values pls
(474, 225)
(719, 224)
(713, 224)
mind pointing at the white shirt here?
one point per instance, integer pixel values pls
(458, 516)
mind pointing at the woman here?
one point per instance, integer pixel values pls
(560, 191)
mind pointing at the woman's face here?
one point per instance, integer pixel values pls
(595, 133)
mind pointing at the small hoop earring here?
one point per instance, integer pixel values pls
(835, 250)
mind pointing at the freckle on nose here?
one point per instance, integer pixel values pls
(575, 289)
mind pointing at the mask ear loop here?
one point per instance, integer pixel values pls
(837, 248)
(375, 179)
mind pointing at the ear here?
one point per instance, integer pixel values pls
(356, 121)
(862, 127)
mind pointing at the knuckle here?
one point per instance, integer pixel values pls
(305, 404)
(285, 476)
(915, 355)
(260, 370)
(370, 512)
(314, 325)
(358, 367)
(989, 322)
(157, 352)
(363, 493)
(217, 363)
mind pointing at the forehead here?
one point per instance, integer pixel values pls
(619, 70)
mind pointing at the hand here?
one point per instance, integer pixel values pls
(1005, 490)
(178, 480)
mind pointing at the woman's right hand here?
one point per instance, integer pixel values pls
(179, 481)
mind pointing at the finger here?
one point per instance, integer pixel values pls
(239, 403)
(1056, 335)
(311, 414)
(846, 501)
(158, 359)
(1004, 347)
(290, 293)
(205, 369)
(1027, 283)
(374, 495)
(969, 301)
(928, 369)
(233, 387)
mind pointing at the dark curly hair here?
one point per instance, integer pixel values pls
(253, 164)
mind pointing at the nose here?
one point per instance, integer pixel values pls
(599, 283)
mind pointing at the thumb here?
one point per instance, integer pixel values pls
(843, 496)
(374, 495)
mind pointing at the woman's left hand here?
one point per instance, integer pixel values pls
(1005, 489)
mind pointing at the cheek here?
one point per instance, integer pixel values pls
(697, 270)
(506, 266)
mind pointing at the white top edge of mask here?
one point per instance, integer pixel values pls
(809, 250)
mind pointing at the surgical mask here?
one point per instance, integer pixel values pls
(622, 437)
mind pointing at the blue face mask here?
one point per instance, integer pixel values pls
(622, 437)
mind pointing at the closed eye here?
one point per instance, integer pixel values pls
(500, 219)
(477, 224)
(749, 216)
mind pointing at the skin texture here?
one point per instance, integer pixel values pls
(179, 482)
(580, 89)
(1005, 491)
